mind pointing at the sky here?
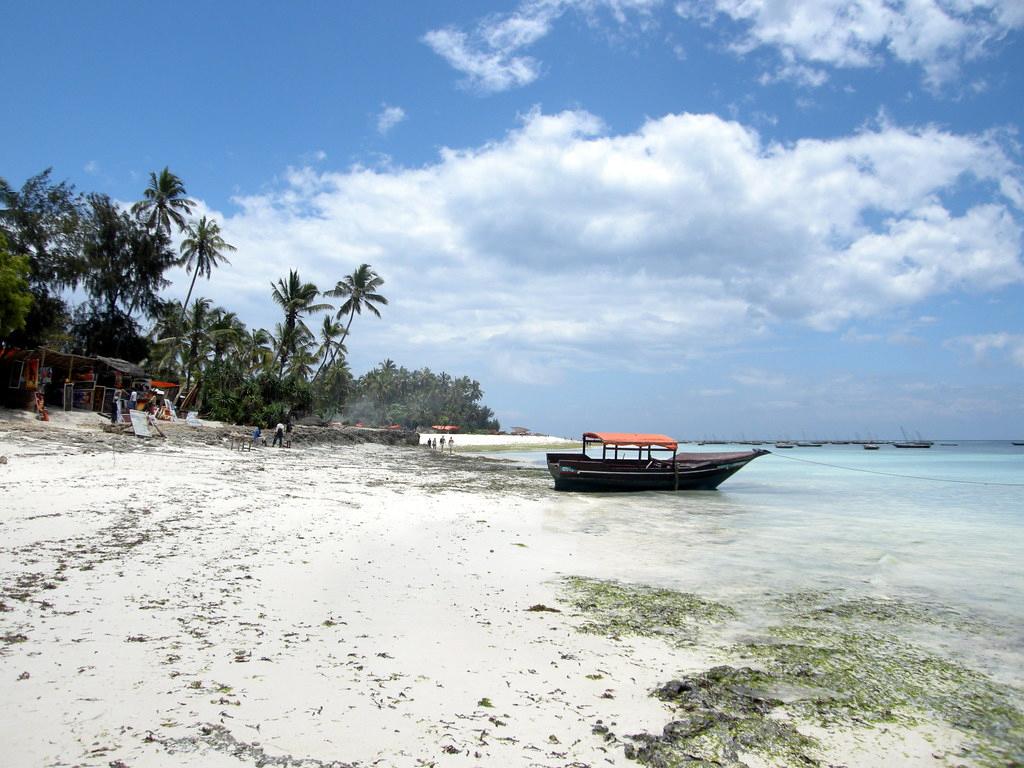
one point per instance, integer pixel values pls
(718, 219)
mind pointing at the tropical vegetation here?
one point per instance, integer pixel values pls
(57, 244)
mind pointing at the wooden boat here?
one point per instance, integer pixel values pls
(908, 443)
(640, 462)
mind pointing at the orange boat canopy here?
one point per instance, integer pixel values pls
(445, 428)
(632, 439)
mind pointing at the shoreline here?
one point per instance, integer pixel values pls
(179, 603)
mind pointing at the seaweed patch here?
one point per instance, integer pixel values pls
(831, 661)
(615, 609)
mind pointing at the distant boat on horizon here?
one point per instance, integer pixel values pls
(908, 443)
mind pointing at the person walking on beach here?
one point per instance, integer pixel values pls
(451, 446)
(278, 436)
(442, 443)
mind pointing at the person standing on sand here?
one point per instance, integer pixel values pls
(451, 446)
(442, 443)
(115, 407)
(278, 436)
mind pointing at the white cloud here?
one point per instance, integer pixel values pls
(812, 77)
(490, 57)
(388, 118)
(565, 247)
(985, 346)
(91, 167)
(937, 35)
(487, 70)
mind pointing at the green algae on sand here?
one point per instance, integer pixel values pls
(830, 660)
(615, 609)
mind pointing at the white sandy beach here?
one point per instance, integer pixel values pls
(179, 604)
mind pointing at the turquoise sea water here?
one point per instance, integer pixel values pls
(944, 526)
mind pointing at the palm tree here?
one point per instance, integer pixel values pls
(301, 362)
(226, 331)
(330, 331)
(168, 329)
(256, 350)
(360, 292)
(193, 340)
(296, 298)
(201, 249)
(164, 201)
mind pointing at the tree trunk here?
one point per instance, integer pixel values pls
(184, 306)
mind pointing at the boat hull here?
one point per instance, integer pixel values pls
(693, 472)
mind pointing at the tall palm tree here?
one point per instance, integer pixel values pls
(296, 298)
(164, 201)
(202, 248)
(360, 292)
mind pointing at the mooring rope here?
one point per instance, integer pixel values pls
(896, 474)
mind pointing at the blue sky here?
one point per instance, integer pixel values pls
(769, 217)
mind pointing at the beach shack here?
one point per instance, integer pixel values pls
(45, 378)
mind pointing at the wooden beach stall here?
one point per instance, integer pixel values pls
(44, 378)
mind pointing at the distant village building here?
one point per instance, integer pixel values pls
(520, 431)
